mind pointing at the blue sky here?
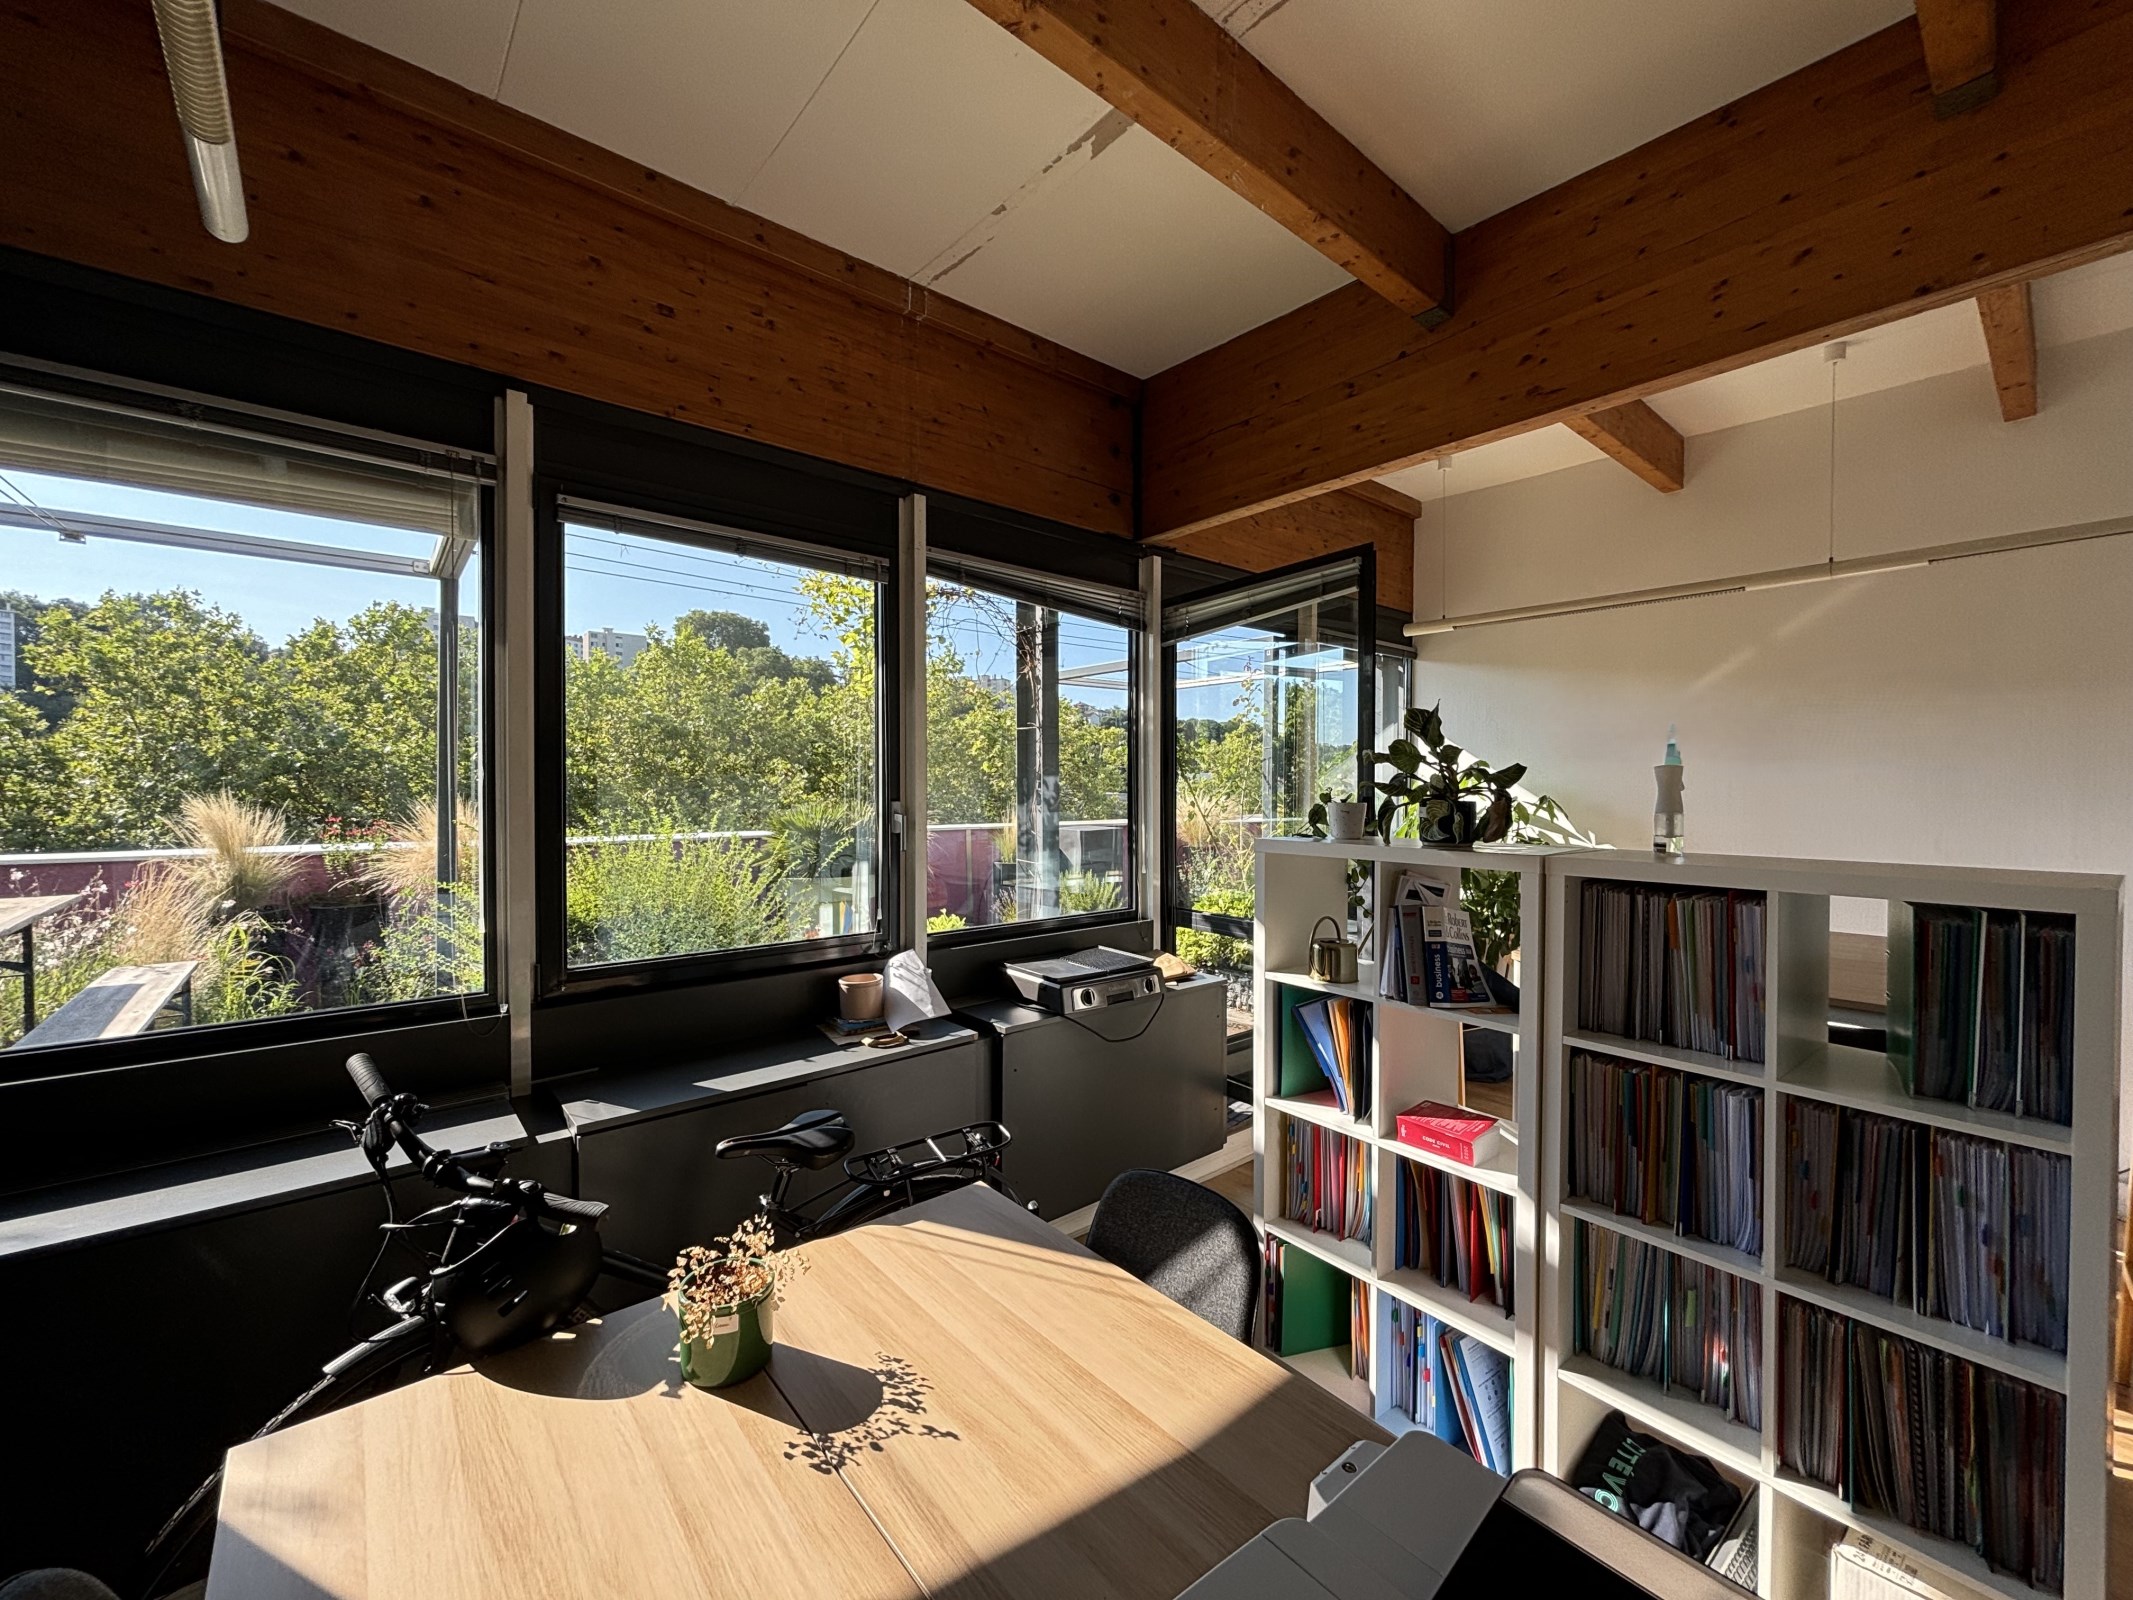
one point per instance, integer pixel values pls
(621, 581)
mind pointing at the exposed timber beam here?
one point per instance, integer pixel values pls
(1318, 527)
(2011, 341)
(1819, 206)
(1639, 438)
(1384, 494)
(1171, 68)
(1962, 52)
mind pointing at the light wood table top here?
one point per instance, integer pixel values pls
(1052, 1426)
(983, 1408)
(577, 1468)
(25, 911)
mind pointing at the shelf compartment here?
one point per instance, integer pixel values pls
(1865, 1080)
(2044, 1368)
(1666, 1055)
(1679, 1416)
(1726, 1259)
(1320, 1107)
(1328, 1368)
(1365, 988)
(1944, 1556)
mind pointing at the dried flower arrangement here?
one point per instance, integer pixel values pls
(711, 1280)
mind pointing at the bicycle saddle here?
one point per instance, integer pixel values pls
(813, 1139)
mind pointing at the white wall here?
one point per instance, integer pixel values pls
(1978, 712)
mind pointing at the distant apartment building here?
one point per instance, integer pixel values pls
(622, 647)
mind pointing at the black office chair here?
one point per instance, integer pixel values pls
(1185, 1242)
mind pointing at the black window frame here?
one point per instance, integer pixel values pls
(669, 514)
(196, 1044)
(1024, 583)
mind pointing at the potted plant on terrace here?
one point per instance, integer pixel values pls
(723, 1294)
(1456, 801)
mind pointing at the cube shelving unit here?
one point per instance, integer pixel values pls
(1799, 1519)
(1415, 1055)
(1560, 1397)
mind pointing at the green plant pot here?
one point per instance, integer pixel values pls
(739, 1346)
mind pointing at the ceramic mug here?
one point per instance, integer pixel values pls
(859, 997)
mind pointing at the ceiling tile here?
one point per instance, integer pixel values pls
(1140, 259)
(1474, 105)
(700, 90)
(932, 118)
(464, 41)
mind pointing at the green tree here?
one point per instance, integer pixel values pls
(731, 631)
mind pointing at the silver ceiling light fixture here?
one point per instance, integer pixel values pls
(192, 50)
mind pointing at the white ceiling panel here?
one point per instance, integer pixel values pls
(1474, 105)
(932, 118)
(463, 40)
(700, 90)
(1486, 465)
(1140, 259)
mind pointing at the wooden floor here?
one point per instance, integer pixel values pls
(2119, 1535)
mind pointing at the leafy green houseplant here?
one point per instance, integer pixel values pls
(1455, 800)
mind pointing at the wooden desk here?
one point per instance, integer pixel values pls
(963, 1402)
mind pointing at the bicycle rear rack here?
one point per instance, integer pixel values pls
(974, 1144)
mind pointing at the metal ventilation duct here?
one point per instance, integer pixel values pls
(192, 50)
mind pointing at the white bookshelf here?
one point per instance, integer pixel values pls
(1798, 1519)
(1561, 1397)
(1415, 1055)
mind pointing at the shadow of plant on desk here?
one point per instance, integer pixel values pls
(897, 1416)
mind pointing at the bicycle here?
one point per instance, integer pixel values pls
(515, 1264)
(876, 1183)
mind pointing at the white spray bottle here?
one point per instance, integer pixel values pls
(1668, 827)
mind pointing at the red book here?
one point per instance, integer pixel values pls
(1452, 1131)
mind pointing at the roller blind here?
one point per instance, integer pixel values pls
(102, 445)
(1083, 597)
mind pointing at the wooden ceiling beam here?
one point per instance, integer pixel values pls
(1172, 69)
(1817, 207)
(1961, 39)
(2011, 341)
(1639, 438)
(1384, 494)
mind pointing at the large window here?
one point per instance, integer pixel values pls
(240, 709)
(1267, 708)
(1027, 738)
(722, 732)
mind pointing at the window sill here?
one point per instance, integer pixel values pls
(72, 1216)
(596, 1102)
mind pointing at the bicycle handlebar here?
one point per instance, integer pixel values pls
(396, 1116)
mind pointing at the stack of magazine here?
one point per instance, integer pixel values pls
(1668, 1147)
(1428, 957)
(1458, 1232)
(1927, 1438)
(1326, 1180)
(1981, 1007)
(1453, 1385)
(1969, 1230)
(1337, 1032)
(1677, 967)
(1652, 1314)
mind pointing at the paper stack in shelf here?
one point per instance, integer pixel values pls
(1679, 967)
(1966, 1229)
(1460, 1233)
(1326, 1179)
(1645, 1311)
(1862, 1567)
(1667, 1147)
(1981, 1007)
(1451, 1384)
(1337, 1031)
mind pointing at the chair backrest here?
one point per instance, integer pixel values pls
(1184, 1241)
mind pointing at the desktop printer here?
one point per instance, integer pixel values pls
(1087, 980)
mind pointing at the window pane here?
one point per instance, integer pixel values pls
(1266, 721)
(221, 797)
(1026, 771)
(721, 724)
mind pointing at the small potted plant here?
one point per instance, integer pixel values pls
(1456, 802)
(1343, 821)
(723, 1294)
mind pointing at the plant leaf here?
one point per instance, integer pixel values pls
(1404, 756)
(1510, 775)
